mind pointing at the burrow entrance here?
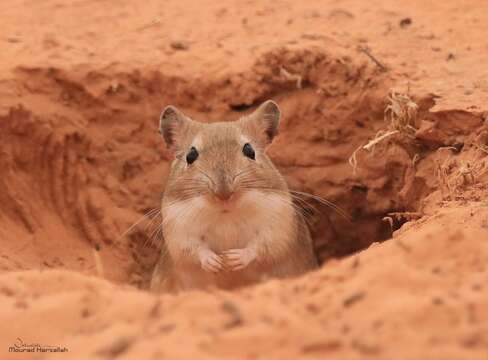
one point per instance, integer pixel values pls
(102, 164)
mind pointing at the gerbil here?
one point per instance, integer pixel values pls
(228, 216)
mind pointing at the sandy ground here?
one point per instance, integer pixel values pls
(82, 84)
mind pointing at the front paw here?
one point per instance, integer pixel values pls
(210, 261)
(238, 259)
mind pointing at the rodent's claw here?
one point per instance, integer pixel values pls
(210, 261)
(238, 259)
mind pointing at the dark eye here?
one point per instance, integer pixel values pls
(248, 151)
(192, 155)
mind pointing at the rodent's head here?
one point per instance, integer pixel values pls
(221, 161)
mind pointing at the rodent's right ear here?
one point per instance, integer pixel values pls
(173, 126)
(263, 123)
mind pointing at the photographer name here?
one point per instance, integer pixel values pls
(22, 347)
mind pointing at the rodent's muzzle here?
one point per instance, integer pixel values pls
(224, 195)
(223, 188)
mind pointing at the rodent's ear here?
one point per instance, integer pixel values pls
(173, 126)
(264, 122)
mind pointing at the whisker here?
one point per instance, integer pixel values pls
(205, 174)
(155, 231)
(326, 202)
(153, 218)
(160, 232)
(255, 184)
(148, 214)
(245, 171)
(299, 210)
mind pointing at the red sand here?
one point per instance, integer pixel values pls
(81, 88)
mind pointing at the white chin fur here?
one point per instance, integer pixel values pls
(269, 216)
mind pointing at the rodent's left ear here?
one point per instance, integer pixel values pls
(264, 122)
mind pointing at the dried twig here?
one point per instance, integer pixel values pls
(401, 216)
(406, 215)
(378, 139)
(291, 77)
(401, 115)
(151, 24)
(389, 220)
(375, 60)
(481, 147)
(98, 262)
(415, 159)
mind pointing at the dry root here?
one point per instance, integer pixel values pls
(482, 147)
(442, 174)
(98, 263)
(465, 174)
(415, 159)
(402, 113)
(453, 175)
(482, 142)
(405, 216)
(401, 116)
(401, 216)
(291, 77)
(154, 22)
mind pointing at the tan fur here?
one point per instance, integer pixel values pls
(259, 219)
